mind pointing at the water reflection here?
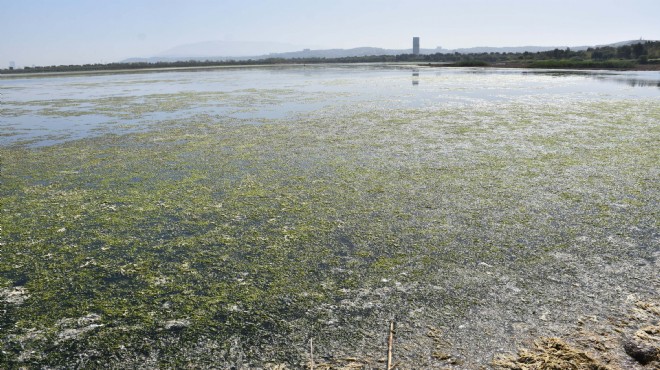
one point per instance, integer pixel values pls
(632, 81)
(630, 78)
(43, 109)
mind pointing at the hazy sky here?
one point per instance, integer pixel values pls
(45, 32)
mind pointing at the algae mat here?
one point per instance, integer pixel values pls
(215, 239)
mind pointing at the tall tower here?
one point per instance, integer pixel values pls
(415, 45)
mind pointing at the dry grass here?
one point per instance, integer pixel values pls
(550, 354)
(631, 341)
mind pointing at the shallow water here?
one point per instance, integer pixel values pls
(48, 110)
(226, 217)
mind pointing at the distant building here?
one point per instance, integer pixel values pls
(415, 45)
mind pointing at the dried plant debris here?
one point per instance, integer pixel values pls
(442, 347)
(550, 354)
(631, 341)
(349, 363)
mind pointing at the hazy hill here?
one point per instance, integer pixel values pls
(512, 49)
(227, 48)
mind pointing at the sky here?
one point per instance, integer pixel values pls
(52, 32)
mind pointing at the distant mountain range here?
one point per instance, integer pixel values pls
(228, 48)
(237, 50)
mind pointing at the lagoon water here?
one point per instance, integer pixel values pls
(45, 110)
(226, 217)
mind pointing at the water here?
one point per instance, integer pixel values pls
(48, 110)
(260, 207)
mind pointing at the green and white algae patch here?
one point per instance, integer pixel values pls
(211, 241)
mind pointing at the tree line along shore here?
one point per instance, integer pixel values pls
(639, 56)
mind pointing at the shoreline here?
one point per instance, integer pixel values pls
(639, 67)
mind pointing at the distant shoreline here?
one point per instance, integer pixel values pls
(638, 57)
(638, 67)
(20, 74)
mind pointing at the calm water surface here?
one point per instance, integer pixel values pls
(47, 110)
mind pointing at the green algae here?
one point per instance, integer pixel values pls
(208, 240)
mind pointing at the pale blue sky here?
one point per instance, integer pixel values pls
(44, 32)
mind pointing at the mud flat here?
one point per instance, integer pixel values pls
(213, 228)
